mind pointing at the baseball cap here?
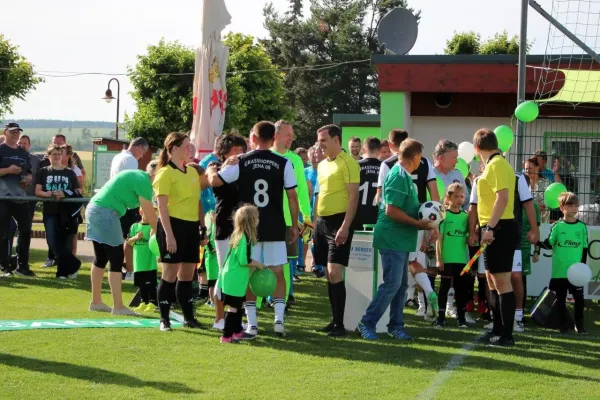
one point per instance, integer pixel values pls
(12, 127)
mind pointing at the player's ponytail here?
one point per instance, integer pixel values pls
(173, 139)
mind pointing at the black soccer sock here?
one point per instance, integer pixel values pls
(144, 295)
(239, 315)
(230, 323)
(184, 293)
(496, 313)
(165, 298)
(432, 280)
(507, 309)
(482, 283)
(461, 290)
(151, 288)
(524, 292)
(331, 299)
(203, 291)
(445, 285)
(339, 297)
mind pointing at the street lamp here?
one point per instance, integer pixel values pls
(108, 97)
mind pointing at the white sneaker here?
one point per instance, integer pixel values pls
(129, 276)
(279, 329)
(518, 326)
(489, 326)
(469, 319)
(165, 326)
(124, 311)
(451, 313)
(219, 325)
(420, 312)
(49, 263)
(99, 307)
(62, 277)
(252, 330)
(74, 275)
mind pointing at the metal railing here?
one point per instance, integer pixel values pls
(83, 200)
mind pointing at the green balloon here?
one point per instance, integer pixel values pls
(463, 167)
(153, 246)
(552, 193)
(263, 282)
(527, 111)
(440, 187)
(505, 137)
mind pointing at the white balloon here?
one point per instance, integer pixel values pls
(466, 151)
(579, 274)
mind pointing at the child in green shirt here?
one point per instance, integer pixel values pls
(235, 274)
(569, 243)
(208, 268)
(144, 264)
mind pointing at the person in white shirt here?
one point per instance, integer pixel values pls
(128, 159)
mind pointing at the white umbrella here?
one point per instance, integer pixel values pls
(210, 94)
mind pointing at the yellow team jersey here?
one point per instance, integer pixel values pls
(333, 176)
(498, 175)
(182, 188)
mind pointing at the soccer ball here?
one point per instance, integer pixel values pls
(433, 212)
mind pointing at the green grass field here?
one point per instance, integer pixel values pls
(148, 364)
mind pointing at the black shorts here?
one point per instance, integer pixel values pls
(499, 254)
(131, 217)
(187, 237)
(104, 254)
(233, 301)
(451, 270)
(212, 283)
(326, 251)
(142, 277)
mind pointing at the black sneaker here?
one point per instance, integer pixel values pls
(501, 341)
(337, 331)
(165, 326)
(24, 272)
(580, 329)
(462, 323)
(327, 328)
(296, 278)
(192, 324)
(439, 323)
(291, 300)
(486, 337)
(411, 304)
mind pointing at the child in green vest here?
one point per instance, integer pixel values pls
(452, 255)
(209, 266)
(144, 264)
(235, 274)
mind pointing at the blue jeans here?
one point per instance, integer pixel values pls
(391, 292)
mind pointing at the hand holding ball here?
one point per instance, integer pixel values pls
(432, 212)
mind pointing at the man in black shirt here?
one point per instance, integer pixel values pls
(262, 176)
(15, 175)
(369, 174)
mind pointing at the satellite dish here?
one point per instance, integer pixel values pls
(398, 30)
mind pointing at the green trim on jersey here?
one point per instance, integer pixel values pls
(454, 231)
(301, 188)
(568, 241)
(143, 259)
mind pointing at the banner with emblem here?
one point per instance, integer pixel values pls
(210, 92)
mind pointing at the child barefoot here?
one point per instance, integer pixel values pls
(235, 274)
(144, 264)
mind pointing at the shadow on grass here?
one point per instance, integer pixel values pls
(90, 374)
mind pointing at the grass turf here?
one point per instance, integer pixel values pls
(145, 363)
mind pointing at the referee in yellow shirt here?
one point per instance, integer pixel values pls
(500, 232)
(338, 177)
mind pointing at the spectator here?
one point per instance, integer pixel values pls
(15, 175)
(385, 152)
(207, 196)
(67, 161)
(61, 140)
(53, 182)
(355, 147)
(25, 143)
(128, 158)
(550, 174)
(538, 185)
(303, 153)
(445, 157)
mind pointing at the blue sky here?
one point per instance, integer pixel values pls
(106, 36)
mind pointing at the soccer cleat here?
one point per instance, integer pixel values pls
(279, 329)
(451, 313)
(429, 315)
(337, 331)
(124, 311)
(74, 275)
(326, 329)
(150, 308)
(141, 308)
(64, 278)
(411, 304)
(400, 334)
(486, 337)
(219, 325)
(49, 263)
(99, 307)
(194, 324)
(439, 323)
(165, 326)
(489, 326)
(252, 330)
(291, 300)
(469, 319)
(242, 336)
(462, 324)
(421, 312)
(500, 341)
(518, 326)
(226, 339)
(365, 332)
(432, 300)
(24, 272)
(580, 329)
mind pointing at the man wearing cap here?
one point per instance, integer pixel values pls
(15, 175)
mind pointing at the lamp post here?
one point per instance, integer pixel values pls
(108, 97)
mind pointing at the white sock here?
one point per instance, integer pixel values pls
(251, 314)
(410, 293)
(279, 305)
(423, 281)
(450, 302)
(421, 300)
(519, 314)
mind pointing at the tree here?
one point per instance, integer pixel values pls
(86, 134)
(16, 76)
(164, 102)
(470, 43)
(319, 55)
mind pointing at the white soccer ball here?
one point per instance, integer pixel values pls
(579, 274)
(433, 212)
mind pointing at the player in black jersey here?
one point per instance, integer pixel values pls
(369, 175)
(226, 196)
(262, 176)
